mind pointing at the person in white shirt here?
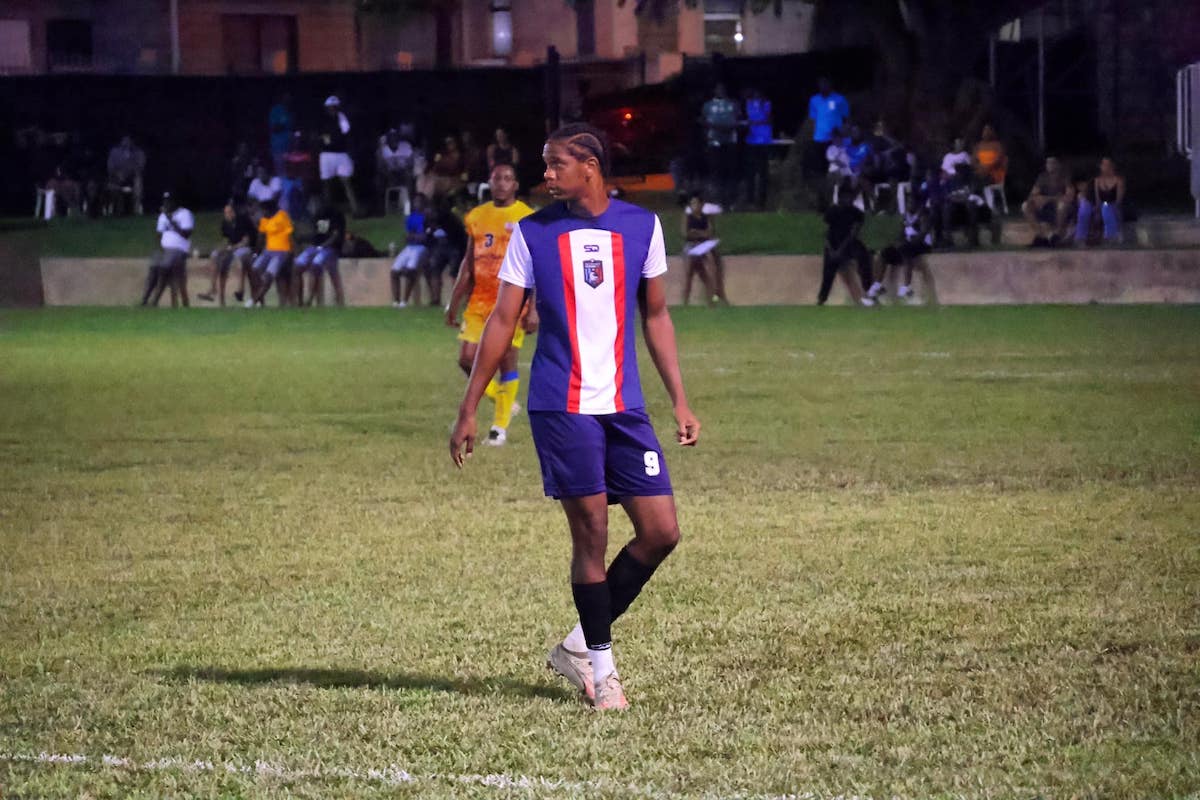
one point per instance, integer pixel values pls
(957, 155)
(264, 188)
(168, 267)
(394, 164)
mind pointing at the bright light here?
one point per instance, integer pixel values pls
(628, 115)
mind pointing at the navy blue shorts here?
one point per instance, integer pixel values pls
(615, 454)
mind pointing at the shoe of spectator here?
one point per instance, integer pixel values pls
(236, 296)
(209, 296)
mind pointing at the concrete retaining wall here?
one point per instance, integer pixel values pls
(980, 278)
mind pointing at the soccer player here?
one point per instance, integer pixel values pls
(592, 260)
(489, 228)
(842, 246)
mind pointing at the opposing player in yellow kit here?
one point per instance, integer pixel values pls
(489, 228)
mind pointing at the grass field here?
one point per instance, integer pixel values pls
(943, 553)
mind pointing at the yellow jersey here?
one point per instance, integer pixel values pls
(490, 229)
(278, 230)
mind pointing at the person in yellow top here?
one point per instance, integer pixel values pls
(275, 261)
(489, 228)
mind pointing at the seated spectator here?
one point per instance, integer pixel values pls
(238, 234)
(858, 157)
(991, 162)
(321, 256)
(909, 251)
(241, 171)
(265, 188)
(888, 163)
(168, 267)
(411, 261)
(126, 170)
(299, 171)
(964, 206)
(63, 190)
(958, 155)
(274, 262)
(448, 242)
(394, 163)
(502, 151)
(445, 176)
(1049, 206)
(1106, 199)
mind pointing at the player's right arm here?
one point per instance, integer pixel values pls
(493, 344)
(463, 285)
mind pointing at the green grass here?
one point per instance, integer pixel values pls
(134, 237)
(926, 554)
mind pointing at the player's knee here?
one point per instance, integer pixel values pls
(665, 540)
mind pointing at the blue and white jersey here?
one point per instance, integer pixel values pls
(587, 271)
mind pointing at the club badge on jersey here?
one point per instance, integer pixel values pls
(593, 272)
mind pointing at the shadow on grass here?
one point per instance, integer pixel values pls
(359, 679)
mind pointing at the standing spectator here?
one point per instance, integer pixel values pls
(321, 257)
(758, 147)
(334, 160)
(829, 111)
(264, 188)
(502, 151)
(1048, 208)
(448, 242)
(475, 165)
(241, 171)
(64, 189)
(297, 177)
(126, 170)
(1107, 197)
(394, 164)
(842, 246)
(958, 155)
(280, 126)
(699, 242)
(238, 233)
(720, 119)
(406, 268)
(275, 256)
(168, 268)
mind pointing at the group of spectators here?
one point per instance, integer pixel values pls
(72, 178)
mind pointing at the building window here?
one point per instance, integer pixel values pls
(723, 34)
(68, 44)
(502, 32)
(16, 52)
(259, 43)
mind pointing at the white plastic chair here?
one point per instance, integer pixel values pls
(402, 200)
(989, 194)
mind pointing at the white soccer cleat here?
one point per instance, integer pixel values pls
(497, 437)
(867, 302)
(516, 409)
(610, 695)
(577, 669)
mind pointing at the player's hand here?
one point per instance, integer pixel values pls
(530, 323)
(688, 427)
(462, 440)
(452, 319)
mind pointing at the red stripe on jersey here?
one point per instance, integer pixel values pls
(618, 252)
(567, 263)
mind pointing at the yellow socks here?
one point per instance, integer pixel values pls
(510, 382)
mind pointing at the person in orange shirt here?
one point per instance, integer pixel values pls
(274, 263)
(489, 228)
(991, 162)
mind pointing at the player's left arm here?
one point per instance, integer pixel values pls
(659, 332)
(529, 317)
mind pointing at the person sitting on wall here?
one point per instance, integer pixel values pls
(1048, 208)
(1105, 199)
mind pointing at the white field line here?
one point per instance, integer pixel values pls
(390, 775)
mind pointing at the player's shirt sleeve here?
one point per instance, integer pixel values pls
(517, 267)
(162, 225)
(656, 254)
(186, 220)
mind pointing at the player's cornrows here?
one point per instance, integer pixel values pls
(584, 141)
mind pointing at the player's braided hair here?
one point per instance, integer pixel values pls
(584, 141)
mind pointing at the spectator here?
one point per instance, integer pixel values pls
(126, 170)
(720, 119)
(502, 151)
(991, 162)
(264, 188)
(168, 267)
(858, 159)
(275, 255)
(297, 178)
(280, 126)
(334, 160)
(1107, 197)
(475, 163)
(958, 155)
(909, 252)
(829, 111)
(321, 257)
(1048, 208)
(241, 171)
(759, 135)
(406, 268)
(62, 188)
(238, 233)
(963, 206)
(394, 164)
(888, 163)
(445, 176)
(699, 242)
(843, 246)
(447, 243)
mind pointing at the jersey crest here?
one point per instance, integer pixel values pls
(593, 272)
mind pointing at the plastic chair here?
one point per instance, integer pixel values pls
(43, 203)
(901, 189)
(989, 194)
(402, 200)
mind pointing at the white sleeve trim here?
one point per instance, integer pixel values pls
(517, 267)
(656, 255)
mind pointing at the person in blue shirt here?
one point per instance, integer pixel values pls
(828, 110)
(758, 146)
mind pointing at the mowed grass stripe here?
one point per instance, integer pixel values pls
(925, 554)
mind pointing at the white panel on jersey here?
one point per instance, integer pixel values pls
(595, 319)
